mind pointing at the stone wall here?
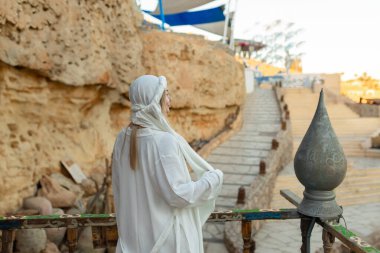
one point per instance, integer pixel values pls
(65, 70)
(364, 110)
(259, 194)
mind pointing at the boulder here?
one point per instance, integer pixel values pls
(58, 195)
(42, 204)
(30, 240)
(56, 235)
(50, 248)
(88, 186)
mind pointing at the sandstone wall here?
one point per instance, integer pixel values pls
(65, 69)
(74, 42)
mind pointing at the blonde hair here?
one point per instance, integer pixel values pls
(133, 140)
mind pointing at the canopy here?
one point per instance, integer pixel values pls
(176, 6)
(216, 28)
(194, 17)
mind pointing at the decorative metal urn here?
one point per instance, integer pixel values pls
(320, 165)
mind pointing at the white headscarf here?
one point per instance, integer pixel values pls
(145, 94)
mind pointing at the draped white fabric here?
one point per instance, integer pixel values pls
(158, 207)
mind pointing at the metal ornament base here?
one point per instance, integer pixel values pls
(321, 204)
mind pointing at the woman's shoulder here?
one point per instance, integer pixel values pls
(167, 144)
(166, 138)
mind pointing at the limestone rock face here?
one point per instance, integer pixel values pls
(204, 80)
(200, 73)
(65, 69)
(73, 42)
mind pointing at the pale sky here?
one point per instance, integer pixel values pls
(340, 35)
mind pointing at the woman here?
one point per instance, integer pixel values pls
(158, 207)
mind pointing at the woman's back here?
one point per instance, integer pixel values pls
(145, 199)
(158, 207)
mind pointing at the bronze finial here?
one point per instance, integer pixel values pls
(320, 165)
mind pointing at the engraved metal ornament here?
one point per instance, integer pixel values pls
(320, 165)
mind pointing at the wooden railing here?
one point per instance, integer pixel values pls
(104, 230)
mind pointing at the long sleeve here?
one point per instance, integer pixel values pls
(174, 182)
(116, 169)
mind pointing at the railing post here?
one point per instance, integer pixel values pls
(241, 196)
(287, 115)
(274, 144)
(246, 232)
(328, 241)
(283, 125)
(98, 238)
(262, 168)
(7, 240)
(72, 239)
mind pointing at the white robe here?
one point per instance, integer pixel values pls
(158, 201)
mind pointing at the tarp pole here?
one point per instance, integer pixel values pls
(162, 16)
(226, 22)
(232, 39)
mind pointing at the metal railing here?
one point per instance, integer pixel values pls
(104, 229)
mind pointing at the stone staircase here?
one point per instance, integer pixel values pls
(360, 185)
(351, 129)
(239, 157)
(359, 193)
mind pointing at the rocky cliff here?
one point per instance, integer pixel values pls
(65, 69)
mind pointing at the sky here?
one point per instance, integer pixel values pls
(341, 36)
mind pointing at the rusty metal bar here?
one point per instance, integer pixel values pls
(8, 224)
(246, 233)
(98, 237)
(72, 239)
(100, 220)
(350, 239)
(7, 240)
(291, 197)
(328, 241)
(49, 221)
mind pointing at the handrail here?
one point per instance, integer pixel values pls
(105, 231)
(84, 220)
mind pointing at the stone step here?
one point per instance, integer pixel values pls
(240, 156)
(359, 187)
(237, 169)
(261, 128)
(230, 191)
(247, 145)
(342, 190)
(240, 151)
(270, 134)
(228, 159)
(226, 202)
(372, 153)
(237, 179)
(349, 181)
(356, 200)
(213, 231)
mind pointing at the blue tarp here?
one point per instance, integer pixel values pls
(194, 17)
(262, 79)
